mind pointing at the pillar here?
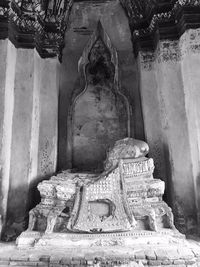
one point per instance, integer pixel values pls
(7, 77)
(175, 130)
(170, 99)
(190, 62)
(21, 135)
(151, 114)
(28, 123)
(47, 154)
(44, 131)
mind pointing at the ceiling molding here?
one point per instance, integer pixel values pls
(41, 24)
(161, 19)
(4, 10)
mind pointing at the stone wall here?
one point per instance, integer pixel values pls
(36, 95)
(83, 22)
(28, 125)
(169, 82)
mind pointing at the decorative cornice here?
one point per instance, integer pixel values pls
(35, 23)
(22, 21)
(51, 25)
(168, 51)
(171, 51)
(190, 42)
(42, 23)
(4, 10)
(147, 60)
(161, 19)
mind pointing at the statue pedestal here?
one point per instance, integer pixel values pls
(86, 240)
(122, 206)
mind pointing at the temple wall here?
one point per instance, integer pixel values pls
(44, 124)
(175, 126)
(8, 56)
(48, 117)
(21, 134)
(28, 124)
(151, 114)
(36, 96)
(190, 51)
(83, 21)
(170, 98)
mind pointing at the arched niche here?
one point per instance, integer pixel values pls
(100, 113)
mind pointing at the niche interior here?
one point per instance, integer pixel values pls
(100, 114)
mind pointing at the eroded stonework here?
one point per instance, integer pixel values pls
(171, 51)
(122, 202)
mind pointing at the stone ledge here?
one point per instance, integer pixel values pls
(181, 254)
(78, 262)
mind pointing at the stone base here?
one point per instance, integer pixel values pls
(155, 250)
(80, 240)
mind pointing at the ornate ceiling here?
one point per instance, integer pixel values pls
(152, 20)
(35, 23)
(42, 23)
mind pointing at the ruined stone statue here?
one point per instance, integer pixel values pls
(123, 198)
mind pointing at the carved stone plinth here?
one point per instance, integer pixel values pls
(117, 206)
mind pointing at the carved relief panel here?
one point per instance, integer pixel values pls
(100, 113)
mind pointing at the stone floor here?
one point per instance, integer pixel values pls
(177, 253)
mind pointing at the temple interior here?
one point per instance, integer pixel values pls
(100, 132)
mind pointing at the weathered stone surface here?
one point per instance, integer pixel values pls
(4, 262)
(72, 83)
(140, 255)
(154, 262)
(54, 259)
(45, 258)
(196, 252)
(178, 59)
(161, 254)
(110, 256)
(34, 257)
(173, 254)
(65, 261)
(185, 253)
(190, 261)
(19, 257)
(98, 203)
(100, 115)
(178, 262)
(150, 255)
(167, 262)
(126, 148)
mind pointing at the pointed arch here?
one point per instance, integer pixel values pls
(98, 66)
